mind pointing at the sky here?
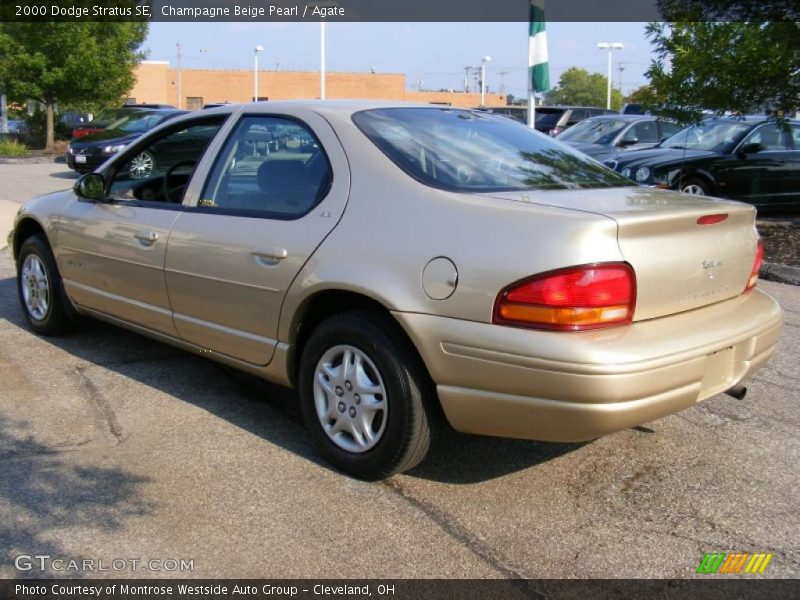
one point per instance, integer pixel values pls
(431, 55)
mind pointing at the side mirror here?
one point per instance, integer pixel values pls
(628, 142)
(751, 148)
(90, 186)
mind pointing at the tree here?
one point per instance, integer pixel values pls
(580, 88)
(742, 67)
(72, 63)
(644, 95)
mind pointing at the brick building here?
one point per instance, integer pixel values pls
(156, 82)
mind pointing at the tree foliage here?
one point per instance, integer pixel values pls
(72, 63)
(580, 88)
(741, 67)
(645, 95)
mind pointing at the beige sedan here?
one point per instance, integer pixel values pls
(396, 262)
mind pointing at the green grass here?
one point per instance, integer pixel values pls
(13, 148)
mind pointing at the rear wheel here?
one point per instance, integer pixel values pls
(361, 392)
(695, 186)
(40, 288)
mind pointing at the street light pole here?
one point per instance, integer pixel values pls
(255, 72)
(610, 46)
(484, 60)
(322, 60)
(178, 74)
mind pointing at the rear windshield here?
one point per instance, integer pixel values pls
(465, 150)
(138, 122)
(108, 116)
(548, 117)
(594, 131)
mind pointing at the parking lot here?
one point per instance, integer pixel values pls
(113, 446)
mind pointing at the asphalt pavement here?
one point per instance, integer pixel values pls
(113, 446)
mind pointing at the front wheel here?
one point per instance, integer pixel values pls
(361, 393)
(40, 289)
(695, 187)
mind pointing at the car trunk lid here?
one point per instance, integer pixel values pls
(680, 264)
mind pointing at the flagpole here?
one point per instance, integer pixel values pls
(538, 68)
(531, 103)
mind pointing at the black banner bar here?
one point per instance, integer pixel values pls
(702, 588)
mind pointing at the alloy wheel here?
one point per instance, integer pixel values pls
(350, 399)
(35, 287)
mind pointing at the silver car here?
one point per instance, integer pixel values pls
(395, 262)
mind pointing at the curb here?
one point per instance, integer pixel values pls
(32, 160)
(780, 273)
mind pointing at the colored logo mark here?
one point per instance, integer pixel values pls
(734, 562)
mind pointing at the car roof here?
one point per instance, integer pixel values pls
(618, 117)
(337, 107)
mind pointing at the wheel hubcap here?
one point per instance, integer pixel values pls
(141, 165)
(35, 287)
(694, 189)
(350, 399)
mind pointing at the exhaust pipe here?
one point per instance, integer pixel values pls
(737, 391)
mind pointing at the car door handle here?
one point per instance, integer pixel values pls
(269, 258)
(147, 238)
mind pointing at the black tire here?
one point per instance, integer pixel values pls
(406, 436)
(697, 183)
(60, 316)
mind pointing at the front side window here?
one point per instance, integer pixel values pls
(270, 166)
(718, 136)
(161, 170)
(470, 151)
(769, 137)
(643, 132)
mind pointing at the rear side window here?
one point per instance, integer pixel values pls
(270, 166)
(478, 152)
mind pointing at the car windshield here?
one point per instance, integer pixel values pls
(137, 122)
(471, 151)
(594, 131)
(717, 136)
(546, 117)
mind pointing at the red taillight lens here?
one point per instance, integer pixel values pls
(711, 219)
(573, 299)
(756, 266)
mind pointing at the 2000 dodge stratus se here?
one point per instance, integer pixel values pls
(387, 259)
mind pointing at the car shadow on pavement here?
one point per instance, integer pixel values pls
(65, 175)
(39, 491)
(267, 410)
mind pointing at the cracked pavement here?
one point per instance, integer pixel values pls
(116, 446)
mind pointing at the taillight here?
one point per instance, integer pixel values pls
(751, 283)
(712, 219)
(572, 299)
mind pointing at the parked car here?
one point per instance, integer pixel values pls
(17, 127)
(752, 160)
(410, 260)
(601, 137)
(555, 119)
(109, 116)
(633, 108)
(518, 113)
(87, 153)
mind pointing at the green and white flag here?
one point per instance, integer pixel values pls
(539, 70)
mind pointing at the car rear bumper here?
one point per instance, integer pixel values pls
(557, 386)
